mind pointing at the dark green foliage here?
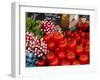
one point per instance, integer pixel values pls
(34, 26)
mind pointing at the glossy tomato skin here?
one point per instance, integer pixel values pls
(87, 49)
(70, 55)
(50, 56)
(57, 36)
(68, 32)
(84, 58)
(82, 34)
(54, 62)
(62, 44)
(87, 36)
(47, 37)
(83, 41)
(85, 26)
(72, 44)
(57, 49)
(65, 62)
(79, 49)
(51, 45)
(75, 62)
(61, 55)
(77, 37)
(41, 62)
(79, 25)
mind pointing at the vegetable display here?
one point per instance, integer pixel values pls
(57, 43)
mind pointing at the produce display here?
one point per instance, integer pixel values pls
(57, 39)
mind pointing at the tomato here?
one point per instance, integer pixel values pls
(79, 25)
(68, 39)
(72, 35)
(77, 37)
(87, 35)
(47, 37)
(68, 32)
(85, 26)
(62, 44)
(87, 42)
(50, 56)
(84, 58)
(75, 62)
(65, 62)
(83, 41)
(57, 50)
(72, 44)
(41, 62)
(75, 33)
(87, 49)
(54, 62)
(70, 55)
(51, 45)
(79, 31)
(82, 34)
(79, 49)
(57, 36)
(61, 55)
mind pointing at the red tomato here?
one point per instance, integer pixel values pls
(79, 49)
(54, 62)
(72, 44)
(84, 58)
(83, 41)
(70, 55)
(87, 35)
(65, 62)
(82, 34)
(57, 50)
(68, 39)
(57, 36)
(47, 37)
(61, 55)
(87, 42)
(41, 62)
(87, 49)
(50, 56)
(76, 62)
(79, 25)
(85, 26)
(79, 31)
(62, 44)
(51, 45)
(68, 32)
(77, 37)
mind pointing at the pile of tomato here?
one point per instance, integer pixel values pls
(67, 48)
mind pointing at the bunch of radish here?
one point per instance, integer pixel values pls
(35, 45)
(48, 27)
